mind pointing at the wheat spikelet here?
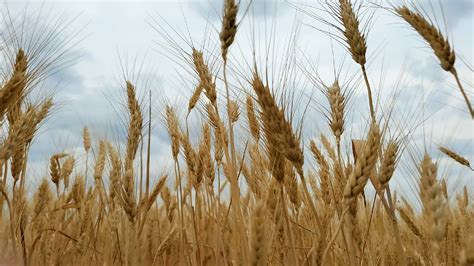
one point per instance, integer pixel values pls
(17, 161)
(355, 39)
(271, 117)
(234, 111)
(204, 154)
(66, 170)
(154, 193)
(428, 172)
(292, 148)
(18, 85)
(318, 156)
(86, 139)
(252, 118)
(40, 115)
(292, 185)
(128, 201)
(323, 172)
(389, 160)
(205, 76)
(432, 198)
(135, 125)
(229, 26)
(409, 221)
(281, 141)
(195, 97)
(455, 156)
(440, 45)
(444, 188)
(190, 157)
(329, 149)
(100, 163)
(115, 172)
(14, 89)
(78, 190)
(128, 195)
(173, 130)
(337, 105)
(43, 197)
(432, 36)
(55, 167)
(165, 244)
(365, 164)
(18, 134)
(258, 239)
(438, 212)
(463, 201)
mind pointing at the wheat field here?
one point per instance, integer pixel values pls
(245, 185)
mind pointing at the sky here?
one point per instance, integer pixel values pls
(114, 40)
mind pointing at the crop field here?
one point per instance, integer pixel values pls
(293, 144)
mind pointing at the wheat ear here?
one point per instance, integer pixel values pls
(440, 45)
(455, 156)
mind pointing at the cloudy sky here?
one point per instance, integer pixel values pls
(117, 39)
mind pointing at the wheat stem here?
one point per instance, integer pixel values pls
(463, 92)
(369, 93)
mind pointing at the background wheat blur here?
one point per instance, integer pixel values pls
(246, 186)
